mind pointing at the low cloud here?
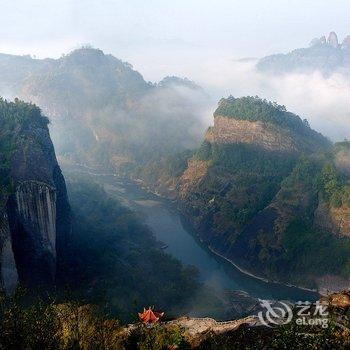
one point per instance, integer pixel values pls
(324, 101)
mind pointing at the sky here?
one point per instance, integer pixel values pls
(161, 37)
(197, 39)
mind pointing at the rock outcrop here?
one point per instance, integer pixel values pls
(232, 131)
(323, 39)
(199, 330)
(333, 40)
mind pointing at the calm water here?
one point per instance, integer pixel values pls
(168, 228)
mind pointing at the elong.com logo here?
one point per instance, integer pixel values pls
(304, 313)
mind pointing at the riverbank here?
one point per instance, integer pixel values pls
(175, 205)
(219, 271)
(242, 270)
(261, 278)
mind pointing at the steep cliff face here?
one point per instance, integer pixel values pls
(230, 131)
(36, 211)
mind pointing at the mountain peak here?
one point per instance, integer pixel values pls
(333, 40)
(253, 108)
(85, 54)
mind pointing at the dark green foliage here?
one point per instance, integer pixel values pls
(14, 117)
(157, 338)
(116, 262)
(31, 327)
(305, 171)
(333, 186)
(256, 177)
(19, 113)
(169, 167)
(73, 326)
(205, 151)
(47, 325)
(292, 336)
(176, 164)
(256, 109)
(309, 251)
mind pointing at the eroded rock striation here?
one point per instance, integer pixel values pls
(231, 131)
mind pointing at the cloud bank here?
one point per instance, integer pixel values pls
(324, 101)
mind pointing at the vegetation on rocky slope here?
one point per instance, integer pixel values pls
(14, 117)
(76, 326)
(273, 213)
(256, 109)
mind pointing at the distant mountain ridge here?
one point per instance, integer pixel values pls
(325, 55)
(102, 111)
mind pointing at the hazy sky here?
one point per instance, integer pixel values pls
(168, 37)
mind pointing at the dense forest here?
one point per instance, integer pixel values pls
(256, 109)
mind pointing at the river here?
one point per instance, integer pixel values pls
(169, 228)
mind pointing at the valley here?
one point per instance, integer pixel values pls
(182, 242)
(156, 208)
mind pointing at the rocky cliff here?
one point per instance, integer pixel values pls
(35, 213)
(231, 131)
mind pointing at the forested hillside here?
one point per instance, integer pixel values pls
(103, 112)
(266, 191)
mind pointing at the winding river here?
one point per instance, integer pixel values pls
(168, 227)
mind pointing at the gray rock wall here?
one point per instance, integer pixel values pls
(8, 269)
